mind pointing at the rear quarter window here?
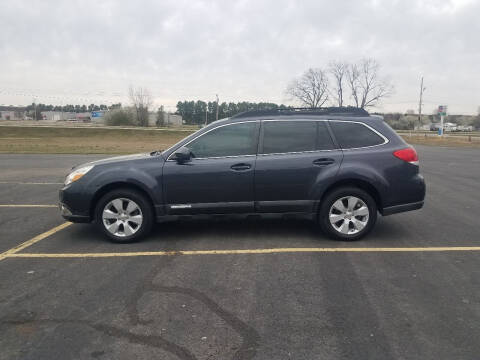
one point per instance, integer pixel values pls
(354, 135)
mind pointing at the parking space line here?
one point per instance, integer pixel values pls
(32, 241)
(241, 251)
(30, 183)
(26, 206)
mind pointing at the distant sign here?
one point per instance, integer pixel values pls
(442, 110)
(96, 114)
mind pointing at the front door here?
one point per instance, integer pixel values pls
(294, 157)
(219, 178)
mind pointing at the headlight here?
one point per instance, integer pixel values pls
(77, 174)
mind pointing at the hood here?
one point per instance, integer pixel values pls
(117, 159)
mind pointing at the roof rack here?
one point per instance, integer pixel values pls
(345, 111)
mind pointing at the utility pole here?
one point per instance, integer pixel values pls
(422, 89)
(206, 114)
(34, 109)
(216, 116)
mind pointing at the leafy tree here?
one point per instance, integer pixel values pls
(119, 117)
(193, 112)
(160, 117)
(115, 106)
(476, 122)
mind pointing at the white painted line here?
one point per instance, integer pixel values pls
(30, 183)
(26, 206)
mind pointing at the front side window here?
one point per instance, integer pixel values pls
(354, 135)
(229, 140)
(295, 136)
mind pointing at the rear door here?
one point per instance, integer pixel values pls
(294, 157)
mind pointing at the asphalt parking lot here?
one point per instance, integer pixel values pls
(272, 289)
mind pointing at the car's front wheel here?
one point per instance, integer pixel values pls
(347, 213)
(124, 215)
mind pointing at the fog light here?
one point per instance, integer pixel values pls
(64, 210)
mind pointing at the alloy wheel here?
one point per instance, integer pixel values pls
(349, 215)
(122, 217)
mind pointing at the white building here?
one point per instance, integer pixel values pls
(170, 119)
(12, 115)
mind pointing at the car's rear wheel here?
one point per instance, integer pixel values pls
(347, 213)
(124, 215)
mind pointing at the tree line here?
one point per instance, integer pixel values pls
(201, 112)
(35, 110)
(71, 107)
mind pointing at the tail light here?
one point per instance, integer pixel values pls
(408, 154)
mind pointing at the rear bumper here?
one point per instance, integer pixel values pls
(402, 208)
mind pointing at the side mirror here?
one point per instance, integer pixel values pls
(183, 155)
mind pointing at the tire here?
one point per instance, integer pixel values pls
(354, 209)
(129, 214)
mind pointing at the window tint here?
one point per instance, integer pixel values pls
(295, 136)
(354, 135)
(324, 141)
(230, 140)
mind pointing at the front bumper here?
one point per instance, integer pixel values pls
(74, 203)
(69, 216)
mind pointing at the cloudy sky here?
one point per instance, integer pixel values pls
(86, 51)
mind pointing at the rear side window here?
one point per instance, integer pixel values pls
(295, 136)
(353, 135)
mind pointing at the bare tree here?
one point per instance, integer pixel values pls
(339, 71)
(141, 101)
(366, 86)
(311, 88)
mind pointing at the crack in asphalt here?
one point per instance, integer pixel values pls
(250, 337)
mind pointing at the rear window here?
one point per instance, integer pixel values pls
(295, 136)
(353, 135)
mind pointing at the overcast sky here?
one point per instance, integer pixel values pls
(65, 52)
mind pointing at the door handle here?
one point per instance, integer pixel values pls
(323, 161)
(240, 167)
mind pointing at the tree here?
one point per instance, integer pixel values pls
(141, 101)
(119, 117)
(476, 120)
(160, 116)
(311, 88)
(36, 111)
(366, 86)
(338, 70)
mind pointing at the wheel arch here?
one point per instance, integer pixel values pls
(114, 186)
(361, 184)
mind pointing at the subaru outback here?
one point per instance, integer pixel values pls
(336, 166)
